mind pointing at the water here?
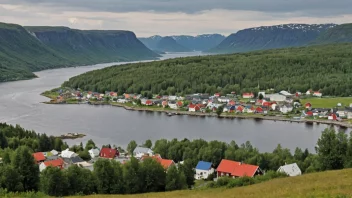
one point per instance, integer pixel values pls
(20, 103)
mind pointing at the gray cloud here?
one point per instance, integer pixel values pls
(304, 7)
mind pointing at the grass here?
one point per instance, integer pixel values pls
(323, 184)
(327, 102)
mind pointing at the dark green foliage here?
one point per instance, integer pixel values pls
(104, 173)
(53, 182)
(23, 50)
(148, 144)
(175, 179)
(131, 146)
(3, 141)
(153, 175)
(80, 180)
(10, 179)
(132, 182)
(188, 170)
(326, 68)
(220, 110)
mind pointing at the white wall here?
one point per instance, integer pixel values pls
(203, 174)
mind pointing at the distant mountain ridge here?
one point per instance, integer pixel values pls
(27, 49)
(202, 42)
(271, 37)
(169, 44)
(338, 34)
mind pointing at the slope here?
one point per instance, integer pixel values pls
(323, 184)
(168, 44)
(339, 34)
(93, 46)
(151, 42)
(202, 42)
(271, 37)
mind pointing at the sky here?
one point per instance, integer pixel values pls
(173, 17)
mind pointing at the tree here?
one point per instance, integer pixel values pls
(131, 146)
(44, 143)
(260, 96)
(331, 149)
(148, 144)
(23, 163)
(90, 145)
(10, 179)
(3, 141)
(80, 180)
(58, 144)
(188, 170)
(53, 182)
(153, 175)
(132, 182)
(219, 110)
(104, 173)
(117, 186)
(175, 179)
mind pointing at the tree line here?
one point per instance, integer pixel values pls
(19, 173)
(327, 68)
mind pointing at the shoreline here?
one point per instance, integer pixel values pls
(222, 116)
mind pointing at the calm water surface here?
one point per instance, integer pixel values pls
(20, 103)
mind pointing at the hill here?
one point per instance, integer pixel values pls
(271, 37)
(323, 184)
(24, 50)
(197, 43)
(168, 44)
(338, 34)
(326, 67)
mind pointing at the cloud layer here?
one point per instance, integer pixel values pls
(168, 17)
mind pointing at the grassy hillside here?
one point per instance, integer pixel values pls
(339, 34)
(326, 68)
(324, 184)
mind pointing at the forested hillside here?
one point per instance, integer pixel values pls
(327, 68)
(339, 34)
(23, 51)
(271, 37)
(168, 44)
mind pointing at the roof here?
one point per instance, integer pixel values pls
(142, 150)
(54, 163)
(290, 169)
(203, 165)
(68, 154)
(95, 151)
(248, 94)
(166, 163)
(237, 169)
(108, 153)
(38, 156)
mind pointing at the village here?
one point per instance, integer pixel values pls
(281, 104)
(203, 170)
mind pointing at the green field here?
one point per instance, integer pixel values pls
(323, 184)
(327, 102)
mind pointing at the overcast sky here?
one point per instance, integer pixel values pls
(173, 17)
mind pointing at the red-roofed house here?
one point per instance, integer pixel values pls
(308, 105)
(193, 108)
(217, 94)
(309, 113)
(247, 95)
(259, 110)
(332, 116)
(240, 109)
(149, 103)
(164, 103)
(237, 169)
(109, 153)
(54, 163)
(317, 94)
(266, 104)
(164, 162)
(179, 104)
(232, 103)
(39, 157)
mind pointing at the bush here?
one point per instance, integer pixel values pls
(243, 181)
(223, 181)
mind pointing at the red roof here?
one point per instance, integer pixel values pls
(240, 108)
(259, 109)
(248, 94)
(55, 163)
(39, 156)
(164, 103)
(166, 163)
(232, 102)
(108, 153)
(217, 94)
(179, 103)
(266, 104)
(194, 106)
(308, 104)
(237, 169)
(148, 102)
(309, 113)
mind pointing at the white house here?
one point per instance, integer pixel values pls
(172, 97)
(285, 93)
(224, 100)
(286, 108)
(121, 101)
(172, 105)
(276, 97)
(94, 152)
(317, 94)
(68, 154)
(141, 151)
(203, 170)
(290, 169)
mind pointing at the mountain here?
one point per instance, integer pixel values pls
(338, 34)
(195, 43)
(201, 42)
(168, 44)
(93, 46)
(271, 37)
(24, 50)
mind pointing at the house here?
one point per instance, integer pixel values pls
(164, 103)
(290, 169)
(286, 109)
(266, 104)
(308, 105)
(149, 103)
(109, 153)
(203, 170)
(317, 94)
(259, 110)
(229, 109)
(54, 163)
(172, 97)
(232, 103)
(309, 92)
(237, 169)
(193, 108)
(141, 151)
(166, 163)
(276, 97)
(217, 94)
(285, 93)
(179, 104)
(274, 107)
(348, 112)
(85, 165)
(247, 95)
(94, 152)
(39, 157)
(54, 152)
(332, 116)
(309, 114)
(223, 99)
(240, 109)
(68, 154)
(172, 104)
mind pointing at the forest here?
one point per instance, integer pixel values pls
(327, 68)
(19, 173)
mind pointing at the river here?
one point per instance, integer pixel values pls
(20, 103)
